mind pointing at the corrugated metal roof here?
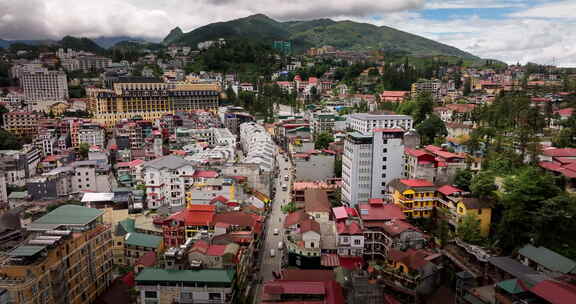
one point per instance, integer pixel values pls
(69, 215)
(169, 275)
(26, 251)
(143, 240)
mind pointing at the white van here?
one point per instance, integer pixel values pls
(280, 245)
(276, 231)
(272, 252)
(286, 178)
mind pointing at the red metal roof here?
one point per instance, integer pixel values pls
(448, 190)
(340, 213)
(351, 263)
(311, 275)
(417, 183)
(555, 291)
(295, 218)
(216, 250)
(394, 93)
(147, 260)
(565, 112)
(415, 152)
(395, 227)
(309, 225)
(352, 212)
(295, 287)
(376, 201)
(414, 259)
(329, 260)
(379, 213)
(195, 215)
(205, 174)
(560, 152)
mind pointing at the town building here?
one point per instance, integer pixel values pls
(367, 122)
(166, 179)
(394, 96)
(457, 205)
(3, 188)
(416, 197)
(21, 123)
(149, 99)
(434, 164)
(385, 228)
(194, 221)
(92, 135)
(42, 86)
(326, 123)
(18, 165)
(167, 286)
(258, 146)
(370, 162)
(68, 259)
(303, 286)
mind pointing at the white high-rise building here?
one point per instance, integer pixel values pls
(371, 160)
(44, 85)
(3, 190)
(366, 122)
(166, 179)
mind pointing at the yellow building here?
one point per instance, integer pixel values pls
(149, 99)
(478, 208)
(59, 108)
(416, 197)
(456, 207)
(68, 259)
(21, 123)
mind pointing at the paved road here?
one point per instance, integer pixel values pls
(275, 221)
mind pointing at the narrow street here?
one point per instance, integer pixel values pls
(274, 221)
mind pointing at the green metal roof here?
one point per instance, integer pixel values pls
(18, 195)
(549, 259)
(26, 251)
(70, 215)
(143, 240)
(171, 275)
(511, 286)
(125, 226)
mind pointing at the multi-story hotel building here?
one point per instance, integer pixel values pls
(366, 122)
(44, 85)
(370, 162)
(67, 259)
(21, 123)
(150, 99)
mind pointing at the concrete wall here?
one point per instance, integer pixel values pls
(315, 168)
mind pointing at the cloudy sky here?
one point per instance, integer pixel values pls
(542, 31)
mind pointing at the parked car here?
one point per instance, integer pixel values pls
(272, 252)
(276, 231)
(280, 245)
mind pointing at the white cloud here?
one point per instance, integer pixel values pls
(37, 19)
(562, 9)
(539, 33)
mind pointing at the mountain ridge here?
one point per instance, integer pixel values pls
(345, 35)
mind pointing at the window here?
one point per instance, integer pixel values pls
(150, 294)
(357, 242)
(214, 296)
(317, 215)
(479, 211)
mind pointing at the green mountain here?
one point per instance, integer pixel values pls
(81, 44)
(174, 35)
(344, 35)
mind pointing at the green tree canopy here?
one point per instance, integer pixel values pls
(463, 179)
(431, 128)
(523, 194)
(482, 185)
(469, 230)
(323, 140)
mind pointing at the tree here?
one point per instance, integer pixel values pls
(231, 95)
(523, 193)
(289, 208)
(338, 167)
(463, 179)
(469, 230)
(431, 128)
(424, 106)
(3, 111)
(8, 141)
(482, 185)
(323, 140)
(83, 150)
(554, 225)
(467, 87)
